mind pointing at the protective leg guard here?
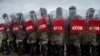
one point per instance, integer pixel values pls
(20, 48)
(60, 50)
(44, 49)
(94, 50)
(32, 50)
(5, 48)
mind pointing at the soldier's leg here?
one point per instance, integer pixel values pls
(77, 50)
(12, 42)
(98, 49)
(37, 47)
(44, 49)
(32, 50)
(73, 50)
(26, 46)
(69, 48)
(5, 47)
(13, 46)
(60, 50)
(53, 49)
(20, 47)
(94, 50)
(87, 50)
(49, 49)
(82, 50)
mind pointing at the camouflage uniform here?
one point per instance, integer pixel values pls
(57, 39)
(43, 38)
(88, 39)
(21, 34)
(85, 44)
(4, 45)
(32, 36)
(93, 43)
(73, 45)
(97, 17)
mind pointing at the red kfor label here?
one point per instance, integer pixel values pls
(1, 27)
(42, 25)
(7, 28)
(77, 26)
(94, 25)
(58, 26)
(29, 26)
(15, 27)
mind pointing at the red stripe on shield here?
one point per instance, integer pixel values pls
(58, 26)
(94, 25)
(15, 27)
(77, 26)
(29, 26)
(1, 27)
(42, 25)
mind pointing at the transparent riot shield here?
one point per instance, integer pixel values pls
(42, 28)
(57, 39)
(7, 34)
(86, 40)
(30, 28)
(97, 17)
(73, 48)
(32, 35)
(94, 35)
(20, 33)
(1, 33)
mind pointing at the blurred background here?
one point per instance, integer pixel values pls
(24, 6)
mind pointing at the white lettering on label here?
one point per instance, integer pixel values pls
(15, 28)
(77, 28)
(95, 28)
(8, 29)
(42, 26)
(58, 28)
(1, 28)
(29, 27)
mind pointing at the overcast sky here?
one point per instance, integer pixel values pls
(14, 6)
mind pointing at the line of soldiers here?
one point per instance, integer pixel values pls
(48, 43)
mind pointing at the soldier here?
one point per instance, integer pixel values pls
(98, 36)
(12, 39)
(90, 13)
(4, 45)
(49, 35)
(93, 35)
(32, 36)
(97, 17)
(1, 32)
(86, 39)
(85, 44)
(73, 45)
(20, 35)
(93, 42)
(43, 37)
(57, 38)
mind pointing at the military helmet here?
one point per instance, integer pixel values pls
(72, 7)
(5, 15)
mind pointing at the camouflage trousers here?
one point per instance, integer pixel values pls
(72, 50)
